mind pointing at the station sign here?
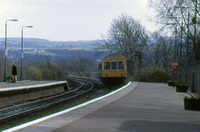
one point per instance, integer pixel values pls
(174, 65)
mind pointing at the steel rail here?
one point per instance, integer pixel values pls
(8, 113)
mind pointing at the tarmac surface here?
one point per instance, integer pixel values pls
(140, 107)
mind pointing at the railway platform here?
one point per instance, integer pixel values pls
(139, 107)
(13, 93)
(26, 84)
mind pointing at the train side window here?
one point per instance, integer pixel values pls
(120, 65)
(114, 65)
(106, 65)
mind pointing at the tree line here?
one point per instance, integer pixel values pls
(177, 40)
(47, 70)
(127, 37)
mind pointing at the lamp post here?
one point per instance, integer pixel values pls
(175, 46)
(194, 42)
(6, 51)
(22, 50)
(183, 7)
(194, 20)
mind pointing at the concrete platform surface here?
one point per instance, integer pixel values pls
(26, 84)
(150, 107)
(23, 83)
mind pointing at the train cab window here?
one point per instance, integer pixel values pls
(114, 65)
(120, 65)
(106, 65)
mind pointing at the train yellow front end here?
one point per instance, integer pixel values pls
(114, 68)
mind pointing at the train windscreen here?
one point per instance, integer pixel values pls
(106, 65)
(114, 65)
(120, 65)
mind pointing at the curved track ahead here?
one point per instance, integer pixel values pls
(31, 106)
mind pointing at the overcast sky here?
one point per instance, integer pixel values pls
(68, 20)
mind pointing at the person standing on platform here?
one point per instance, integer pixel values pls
(14, 73)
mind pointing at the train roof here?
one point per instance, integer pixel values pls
(109, 56)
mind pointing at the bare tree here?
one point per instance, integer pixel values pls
(179, 17)
(161, 50)
(127, 37)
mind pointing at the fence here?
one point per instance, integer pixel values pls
(190, 75)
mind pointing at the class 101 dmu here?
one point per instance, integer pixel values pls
(113, 69)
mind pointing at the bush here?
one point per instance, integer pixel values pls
(35, 73)
(154, 74)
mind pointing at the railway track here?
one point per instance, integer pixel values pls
(31, 106)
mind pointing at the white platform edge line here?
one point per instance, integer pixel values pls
(31, 86)
(63, 112)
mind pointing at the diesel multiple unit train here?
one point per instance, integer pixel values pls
(113, 69)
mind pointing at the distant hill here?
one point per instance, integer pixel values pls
(36, 43)
(38, 49)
